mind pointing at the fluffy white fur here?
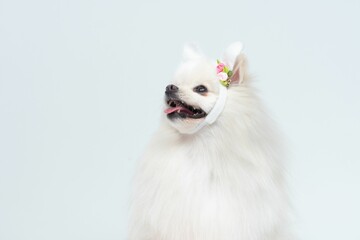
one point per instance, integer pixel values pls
(225, 182)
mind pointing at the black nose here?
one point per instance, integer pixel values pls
(171, 88)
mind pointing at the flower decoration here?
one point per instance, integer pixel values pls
(220, 67)
(224, 73)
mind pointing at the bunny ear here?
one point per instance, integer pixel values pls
(231, 53)
(191, 51)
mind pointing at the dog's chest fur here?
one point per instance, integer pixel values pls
(203, 189)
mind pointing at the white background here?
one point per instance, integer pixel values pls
(81, 88)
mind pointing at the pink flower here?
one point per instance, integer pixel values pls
(222, 76)
(220, 67)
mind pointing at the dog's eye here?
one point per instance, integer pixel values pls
(200, 89)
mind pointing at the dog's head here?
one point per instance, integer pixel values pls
(192, 94)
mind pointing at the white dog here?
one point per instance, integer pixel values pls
(214, 169)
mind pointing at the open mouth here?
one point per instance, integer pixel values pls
(178, 108)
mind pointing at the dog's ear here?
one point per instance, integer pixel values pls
(239, 70)
(190, 52)
(236, 61)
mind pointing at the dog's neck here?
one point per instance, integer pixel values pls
(216, 142)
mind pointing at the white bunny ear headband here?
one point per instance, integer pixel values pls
(225, 72)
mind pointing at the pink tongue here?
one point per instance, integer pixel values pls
(175, 109)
